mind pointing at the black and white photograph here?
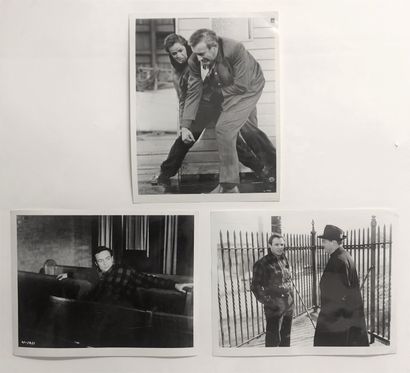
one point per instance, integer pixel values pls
(303, 282)
(204, 108)
(104, 285)
(204, 186)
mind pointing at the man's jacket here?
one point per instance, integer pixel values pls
(237, 74)
(119, 284)
(271, 284)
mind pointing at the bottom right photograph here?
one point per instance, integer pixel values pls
(309, 282)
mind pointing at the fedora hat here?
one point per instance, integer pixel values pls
(332, 232)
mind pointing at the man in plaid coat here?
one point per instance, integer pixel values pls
(117, 284)
(272, 286)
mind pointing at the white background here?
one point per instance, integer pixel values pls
(64, 139)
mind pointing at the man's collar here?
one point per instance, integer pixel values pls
(274, 256)
(338, 249)
(107, 272)
(204, 71)
(220, 54)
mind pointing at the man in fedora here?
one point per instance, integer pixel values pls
(341, 320)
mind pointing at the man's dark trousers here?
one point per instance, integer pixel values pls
(278, 329)
(259, 142)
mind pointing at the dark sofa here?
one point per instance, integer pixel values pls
(51, 315)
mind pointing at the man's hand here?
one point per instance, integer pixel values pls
(187, 136)
(62, 276)
(182, 287)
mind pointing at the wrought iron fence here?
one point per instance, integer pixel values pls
(241, 317)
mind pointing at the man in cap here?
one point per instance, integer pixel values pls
(272, 286)
(341, 319)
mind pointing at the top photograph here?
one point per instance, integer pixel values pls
(204, 108)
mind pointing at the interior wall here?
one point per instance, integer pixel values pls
(185, 251)
(153, 262)
(66, 239)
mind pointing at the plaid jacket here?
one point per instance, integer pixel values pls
(271, 279)
(119, 285)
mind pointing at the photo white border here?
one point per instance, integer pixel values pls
(295, 351)
(102, 351)
(225, 197)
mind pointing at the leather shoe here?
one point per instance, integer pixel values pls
(220, 189)
(217, 189)
(235, 189)
(160, 180)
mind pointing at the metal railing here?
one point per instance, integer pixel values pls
(242, 318)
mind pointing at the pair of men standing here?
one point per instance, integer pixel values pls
(341, 318)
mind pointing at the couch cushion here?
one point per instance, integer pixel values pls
(160, 300)
(34, 291)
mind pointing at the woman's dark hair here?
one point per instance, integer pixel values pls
(169, 41)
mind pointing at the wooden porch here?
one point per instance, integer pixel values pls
(199, 172)
(302, 334)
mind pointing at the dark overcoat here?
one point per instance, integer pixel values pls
(341, 319)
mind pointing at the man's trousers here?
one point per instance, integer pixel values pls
(278, 329)
(227, 128)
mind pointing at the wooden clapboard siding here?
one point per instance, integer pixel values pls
(263, 33)
(270, 76)
(267, 98)
(264, 123)
(192, 24)
(263, 47)
(262, 22)
(266, 127)
(258, 43)
(264, 54)
(270, 87)
(268, 130)
(186, 26)
(266, 108)
(267, 65)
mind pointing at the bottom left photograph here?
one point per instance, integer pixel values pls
(120, 281)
